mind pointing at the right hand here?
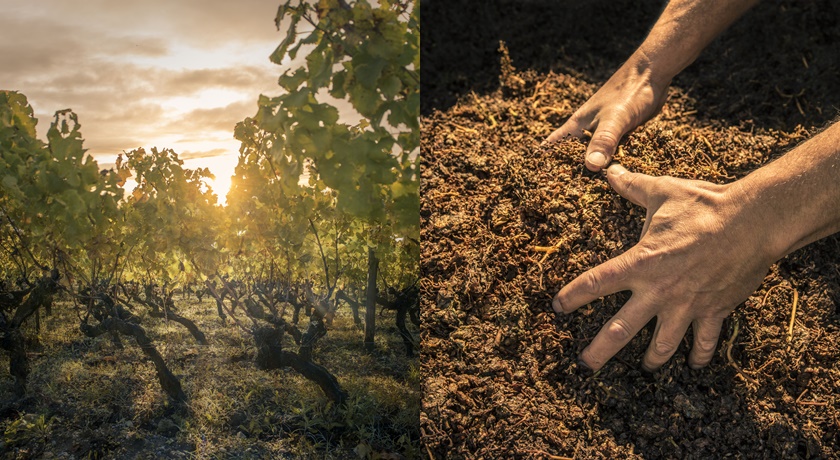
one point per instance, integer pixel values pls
(701, 253)
(628, 99)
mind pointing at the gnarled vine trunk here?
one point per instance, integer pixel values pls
(116, 320)
(12, 340)
(370, 301)
(161, 307)
(270, 355)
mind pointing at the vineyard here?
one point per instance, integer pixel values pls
(153, 322)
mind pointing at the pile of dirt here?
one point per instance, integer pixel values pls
(506, 222)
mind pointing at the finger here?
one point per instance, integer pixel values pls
(604, 142)
(616, 333)
(666, 339)
(605, 279)
(573, 127)
(636, 187)
(706, 335)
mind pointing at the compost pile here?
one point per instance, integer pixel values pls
(506, 222)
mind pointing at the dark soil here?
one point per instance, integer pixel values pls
(505, 223)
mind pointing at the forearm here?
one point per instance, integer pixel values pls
(681, 33)
(796, 199)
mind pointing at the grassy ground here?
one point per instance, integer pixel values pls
(88, 399)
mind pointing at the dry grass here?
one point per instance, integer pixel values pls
(99, 401)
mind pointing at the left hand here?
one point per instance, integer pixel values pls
(699, 256)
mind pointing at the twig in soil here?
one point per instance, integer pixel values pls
(792, 317)
(428, 449)
(561, 111)
(791, 95)
(548, 250)
(619, 154)
(764, 366)
(709, 146)
(729, 343)
(813, 403)
(800, 396)
(808, 403)
(767, 294)
(465, 129)
(799, 107)
(792, 310)
(538, 87)
(545, 454)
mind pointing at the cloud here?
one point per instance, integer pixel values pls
(188, 155)
(153, 73)
(216, 118)
(37, 45)
(231, 77)
(238, 77)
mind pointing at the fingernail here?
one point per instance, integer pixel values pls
(616, 170)
(557, 305)
(584, 368)
(598, 159)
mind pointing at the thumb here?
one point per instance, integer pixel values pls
(604, 143)
(636, 187)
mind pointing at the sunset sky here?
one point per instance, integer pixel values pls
(176, 74)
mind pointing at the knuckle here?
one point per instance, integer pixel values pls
(630, 180)
(604, 137)
(592, 283)
(642, 258)
(618, 330)
(664, 347)
(705, 346)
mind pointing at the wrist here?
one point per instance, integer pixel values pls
(785, 211)
(656, 73)
(765, 222)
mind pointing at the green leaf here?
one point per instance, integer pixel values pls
(390, 86)
(364, 100)
(296, 99)
(367, 72)
(320, 65)
(293, 81)
(338, 91)
(280, 52)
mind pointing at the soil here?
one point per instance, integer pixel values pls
(505, 222)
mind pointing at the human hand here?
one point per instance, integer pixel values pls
(700, 255)
(629, 98)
